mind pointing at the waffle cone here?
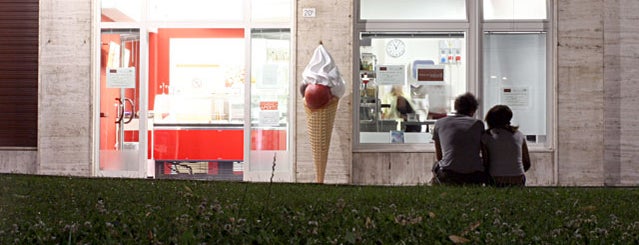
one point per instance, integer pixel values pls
(319, 124)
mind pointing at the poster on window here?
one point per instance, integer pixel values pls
(515, 97)
(123, 77)
(391, 75)
(269, 115)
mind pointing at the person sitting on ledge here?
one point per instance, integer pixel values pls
(458, 145)
(504, 149)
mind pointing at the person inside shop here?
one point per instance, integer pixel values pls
(457, 140)
(504, 149)
(400, 107)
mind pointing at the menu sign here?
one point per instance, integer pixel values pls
(429, 74)
(391, 75)
(516, 97)
(121, 77)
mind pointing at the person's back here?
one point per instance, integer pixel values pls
(504, 149)
(457, 145)
(459, 137)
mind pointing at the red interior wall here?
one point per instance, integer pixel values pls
(159, 45)
(107, 97)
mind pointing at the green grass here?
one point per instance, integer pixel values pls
(71, 210)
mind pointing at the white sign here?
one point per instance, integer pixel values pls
(269, 113)
(308, 12)
(123, 77)
(515, 97)
(391, 75)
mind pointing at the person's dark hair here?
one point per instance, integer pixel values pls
(466, 104)
(499, 117)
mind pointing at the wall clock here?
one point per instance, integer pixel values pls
(395, 48)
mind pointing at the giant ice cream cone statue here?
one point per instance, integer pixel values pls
(322, 86)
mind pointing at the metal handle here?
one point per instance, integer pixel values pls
(120, 111)
(132, 110)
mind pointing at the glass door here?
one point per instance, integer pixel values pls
(269, 154)
(121, 104)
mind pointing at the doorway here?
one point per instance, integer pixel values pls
(122, 100)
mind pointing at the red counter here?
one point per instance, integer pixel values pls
(212, 144)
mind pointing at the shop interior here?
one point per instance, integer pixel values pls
(428, 69)
(196, 100)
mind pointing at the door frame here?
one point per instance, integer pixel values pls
(143, 139)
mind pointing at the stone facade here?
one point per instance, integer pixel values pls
(596, 104)
(621, 85)
(65, 88)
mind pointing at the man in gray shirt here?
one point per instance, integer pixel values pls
(458, 145)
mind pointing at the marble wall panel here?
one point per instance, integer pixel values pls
(370, 168)
(612, 85)
(629, 89)
(622, 85)
(541, 172)
(64, 117)
(580, 93)
(411, 168)
(333, 25)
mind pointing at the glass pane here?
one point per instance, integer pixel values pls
(427, 69)
(514, 9)
(121, 10)
(413, 10)
(119, 103)
(189, 10)
(270, 79)
(515, 75)
(271, 10)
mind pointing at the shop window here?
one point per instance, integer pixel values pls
(432, 51)
(515, 75)
(413, 10)
(514, 9)
(427, 69)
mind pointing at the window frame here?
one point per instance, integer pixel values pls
(474, 27)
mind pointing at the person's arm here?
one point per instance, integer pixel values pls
(525, 158)
(484, 156)
(438, 150)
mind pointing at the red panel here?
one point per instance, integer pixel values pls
(199, 145)
(159, 52)
(268, 140)
(131, 136)
(192, 145)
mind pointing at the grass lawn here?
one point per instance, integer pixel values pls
(72, 210)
